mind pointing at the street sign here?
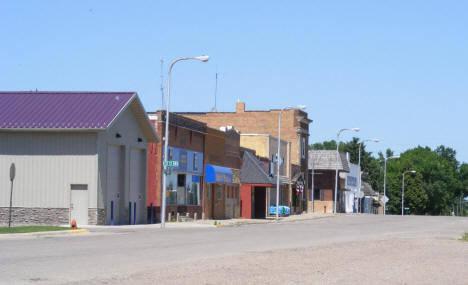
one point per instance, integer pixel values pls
(171, 163)
(360, 194)
(384, 199)
(12, 172)
(406, 208)
(362, 186)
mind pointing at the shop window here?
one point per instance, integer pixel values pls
(192, 194)
(220, 192)
(171, 189)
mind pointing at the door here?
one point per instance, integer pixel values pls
(259, 202)
(181, 189)
(114, 183)
(79, 204)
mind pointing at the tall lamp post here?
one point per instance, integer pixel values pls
(203, 58)
(385, 182)
(359, 163)
(403, 191)
(337, 155)
(298, 107)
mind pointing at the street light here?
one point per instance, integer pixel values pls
(359, 163)
(403, 190)
(203, 58)
(298, 107)
(337, 155)
(385, 182)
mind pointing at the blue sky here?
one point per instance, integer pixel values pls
(396, 69)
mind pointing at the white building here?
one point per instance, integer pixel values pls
(78, 156)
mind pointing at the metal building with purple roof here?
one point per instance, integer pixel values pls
(78, 155)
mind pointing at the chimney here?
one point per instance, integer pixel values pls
(240, 107)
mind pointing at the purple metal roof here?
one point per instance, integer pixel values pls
(60, 110)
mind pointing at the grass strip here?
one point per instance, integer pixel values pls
(30, 229)
(465, 237)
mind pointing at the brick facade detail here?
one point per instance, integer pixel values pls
(96, 216)
(35, 216)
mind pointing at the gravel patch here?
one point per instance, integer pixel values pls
(394, 261)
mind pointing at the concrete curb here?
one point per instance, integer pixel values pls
(44, 234)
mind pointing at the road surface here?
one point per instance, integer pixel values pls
(333, 250)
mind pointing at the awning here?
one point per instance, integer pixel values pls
(218, 174)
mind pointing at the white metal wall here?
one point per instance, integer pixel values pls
(46, 165)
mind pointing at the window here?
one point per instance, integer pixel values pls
(322, 195)
(220, 192)
(170, 154)
(79, 186)
(192, 194)
(316, 194)
(303, 147)
(195, 162)
(183, 189)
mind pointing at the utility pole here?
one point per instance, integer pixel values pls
(162, 82)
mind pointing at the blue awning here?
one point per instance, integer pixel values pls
(218, 174)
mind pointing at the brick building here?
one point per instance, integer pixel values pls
(185, 182)
(295, 129)
(221, 199)
(266, 147)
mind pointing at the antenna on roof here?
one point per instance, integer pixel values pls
(216, 90)
(162, 82)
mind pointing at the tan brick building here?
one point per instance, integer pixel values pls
(294, 128)
(265, 147)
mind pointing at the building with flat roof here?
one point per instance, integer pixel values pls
(294, 128)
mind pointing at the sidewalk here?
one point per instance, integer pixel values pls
(105, 229)
(287, 219)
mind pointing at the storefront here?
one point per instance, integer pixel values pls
(184, 182)
(219, 192)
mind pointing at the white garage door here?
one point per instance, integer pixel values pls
(114, 183)
(137, 186)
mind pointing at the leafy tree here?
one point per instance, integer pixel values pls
(439, 185)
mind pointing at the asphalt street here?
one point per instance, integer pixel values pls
(113, 253)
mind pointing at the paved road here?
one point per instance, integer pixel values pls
(115, 254)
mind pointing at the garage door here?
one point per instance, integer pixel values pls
(114, 183)
(137, 186)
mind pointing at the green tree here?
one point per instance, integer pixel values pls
(439, 185)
